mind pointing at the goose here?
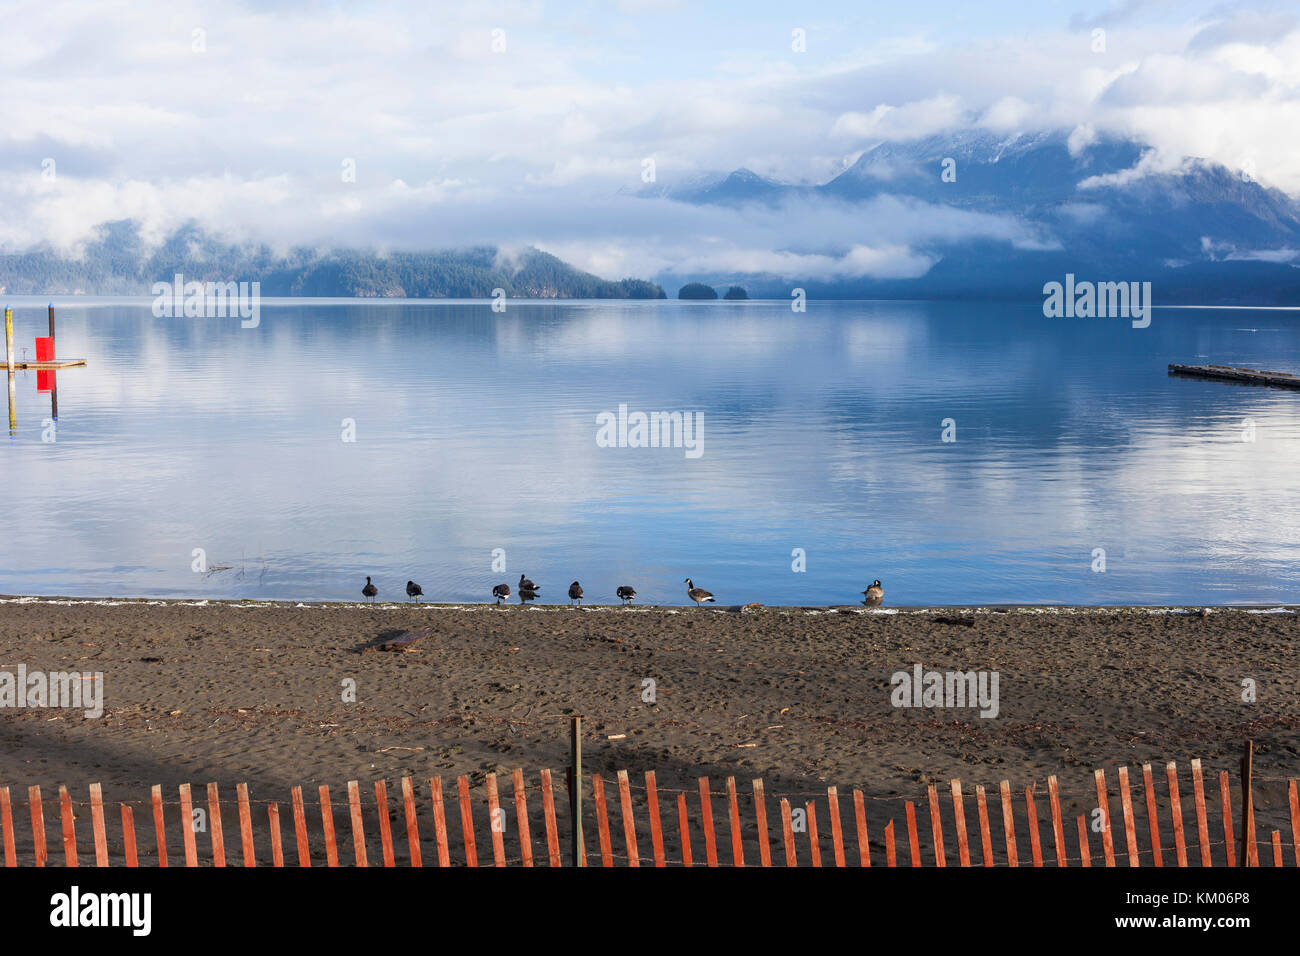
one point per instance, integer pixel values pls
(527, 585)
(501, 592)
(875, 595)
(413, 590)
(698, 595)
(575, 592)
(626, 594)
(370, 590)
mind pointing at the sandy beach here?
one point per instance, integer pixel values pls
(198, 692)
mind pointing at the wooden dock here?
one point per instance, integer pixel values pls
(49, 366)
(1246, 376)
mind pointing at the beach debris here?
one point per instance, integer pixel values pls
(751, 608)
(403, 641)
(955, 621)
(617, 737)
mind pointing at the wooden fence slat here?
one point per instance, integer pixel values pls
(358, 827)
(467, 821)
(69, 831)
(1202, 820)
(273, 821)
(7, 827)
(1103, 802)
(1130, 828)
(1009, 824)
(412, 822)
(1295, 819)
(860, 815)
(810, 809)
(1058, 829)
(733, 813)
(187, 826)
(1225, 805)
(891, 852)
(300, 827)
(706, 821)
(159, 831)
(1277, 847)
(97, 824)
(602, 820)
(385, 827)
(214, 827)
(1153, 820)
(787, 832)
(128, 837)
(38, 824)
(760, 818)
(656, 824)
(1035, 842)
(521, 816)
(936, 826)
(837, 833)
(548, 814)
(496, 821)
(1176, 810)
(959, 821)
(327, 826)
(986, 838)
(914, 844)
(629, 822)
(1085, 857)
(245, 824)
(685, 829)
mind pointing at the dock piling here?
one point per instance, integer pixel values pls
(9, 339)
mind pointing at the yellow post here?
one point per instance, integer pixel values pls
(9, 339)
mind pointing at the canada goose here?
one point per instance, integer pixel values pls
(575, 592)
(626, 594)
(413, 590)
(370, 590)
(527, 585)
(875, 595)
(698, 595)
(501, 592)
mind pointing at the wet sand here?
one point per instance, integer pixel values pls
(800, 697)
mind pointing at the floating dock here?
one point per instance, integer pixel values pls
(50, 366)
(1246, 376)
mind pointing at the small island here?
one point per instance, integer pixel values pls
(736, 294)
(697, 290)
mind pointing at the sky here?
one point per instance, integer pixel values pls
(524, 122)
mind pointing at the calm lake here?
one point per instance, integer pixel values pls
(404, 439)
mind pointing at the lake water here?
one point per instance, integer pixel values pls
(821, 431)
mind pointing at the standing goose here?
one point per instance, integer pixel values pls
(370, 590)
(575, 592)
(501, 592)
(626, 594)
(698, 595)
(527, 585)
(413, 590)
(874, 595)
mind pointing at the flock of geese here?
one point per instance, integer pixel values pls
(873, 596)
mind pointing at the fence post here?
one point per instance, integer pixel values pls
(575, 790)
(1247, 809)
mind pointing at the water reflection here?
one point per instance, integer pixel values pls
(476, 431)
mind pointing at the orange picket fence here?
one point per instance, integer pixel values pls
(660, 826)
